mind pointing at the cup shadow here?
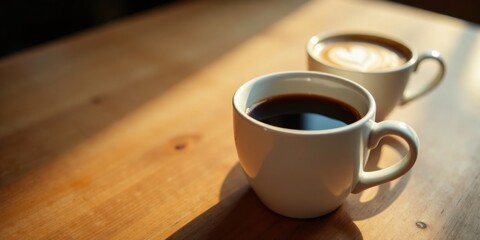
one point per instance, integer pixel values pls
(241, 215)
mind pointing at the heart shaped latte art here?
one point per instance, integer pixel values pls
(363, 56)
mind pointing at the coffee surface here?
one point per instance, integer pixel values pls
(359, 55)
(304, 112)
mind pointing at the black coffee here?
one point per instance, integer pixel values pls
(304, 112)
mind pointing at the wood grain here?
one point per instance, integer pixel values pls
(125, 131)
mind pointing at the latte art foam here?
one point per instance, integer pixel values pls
(359, 56)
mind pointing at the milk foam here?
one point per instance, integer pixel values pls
(360, 56)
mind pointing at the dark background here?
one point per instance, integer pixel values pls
(468, 10)
(26, 23)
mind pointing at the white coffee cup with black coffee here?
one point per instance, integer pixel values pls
(302, 139)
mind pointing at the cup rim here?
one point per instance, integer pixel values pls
(370, 115)
(369, 35)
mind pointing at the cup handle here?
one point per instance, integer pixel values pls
(410, 95)
(378, 131)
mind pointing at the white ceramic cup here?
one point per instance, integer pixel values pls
(387, 85)
(309, 173)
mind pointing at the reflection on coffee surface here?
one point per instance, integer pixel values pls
(304, 112)
(359, 55)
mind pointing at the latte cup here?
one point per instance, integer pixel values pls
(380, 64)
(309, 173)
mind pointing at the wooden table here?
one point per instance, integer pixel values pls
(125, 131)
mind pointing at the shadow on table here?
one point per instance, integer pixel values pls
(241, 215)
